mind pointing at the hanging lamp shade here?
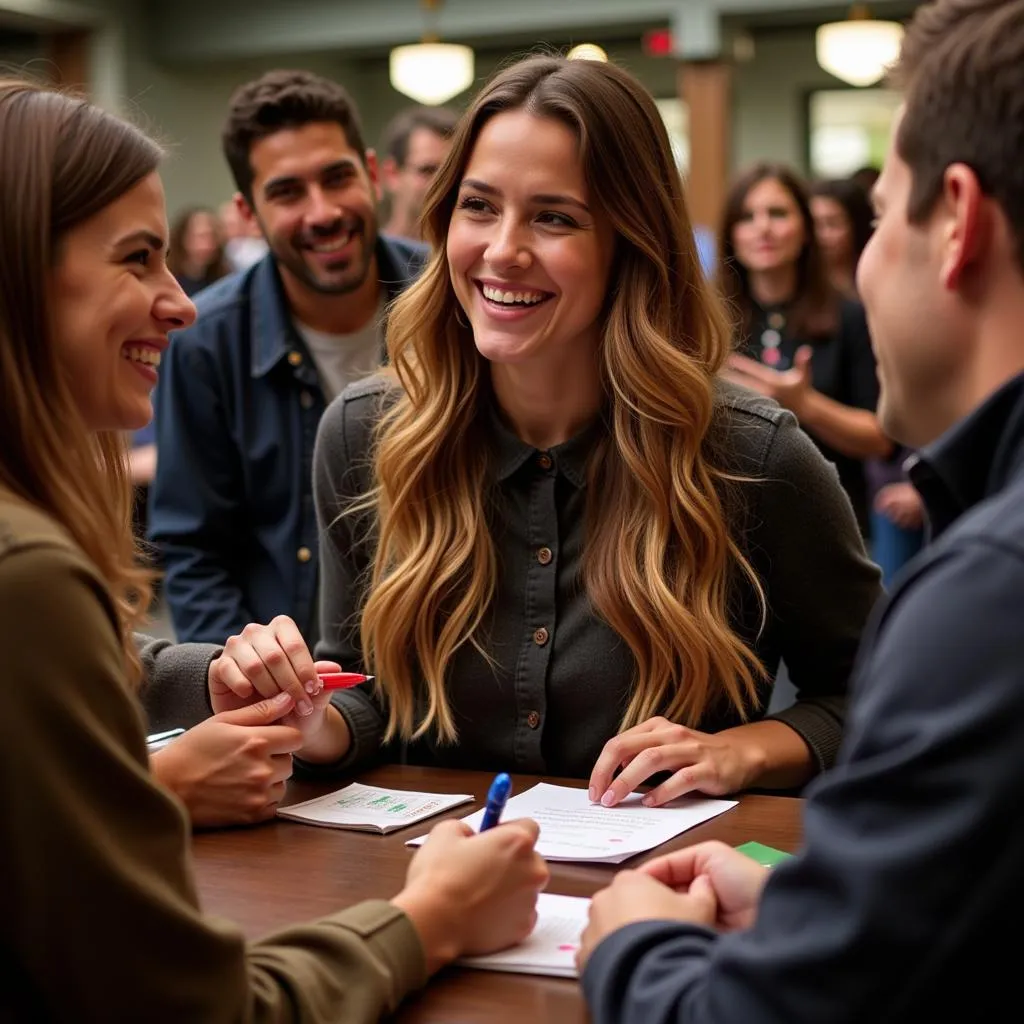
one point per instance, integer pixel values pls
(587, 51)
(860, 50)
(431, 73)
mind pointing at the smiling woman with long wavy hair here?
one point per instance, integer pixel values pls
(548, 521)
(96, 854)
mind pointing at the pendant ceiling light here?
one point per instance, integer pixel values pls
(587, 51)
(859, 50)
(431, 72)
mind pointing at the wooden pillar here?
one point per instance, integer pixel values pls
(69, 57)
(704, 87)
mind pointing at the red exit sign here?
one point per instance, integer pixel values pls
(658, 42)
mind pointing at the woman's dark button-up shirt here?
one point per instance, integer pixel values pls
(561, 677)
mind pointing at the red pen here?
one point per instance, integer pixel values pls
(342, 680)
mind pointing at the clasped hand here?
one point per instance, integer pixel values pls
(709, 884)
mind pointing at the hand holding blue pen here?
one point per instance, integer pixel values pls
(497, 796)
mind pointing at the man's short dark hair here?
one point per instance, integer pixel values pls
(283, 99)
(962, 71)
(395, 140)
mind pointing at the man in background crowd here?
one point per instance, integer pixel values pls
(414, 146)
(241, 392)
(243, 242)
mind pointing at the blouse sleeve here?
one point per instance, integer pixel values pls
(860, 378)
(820, 584)
(341, 476)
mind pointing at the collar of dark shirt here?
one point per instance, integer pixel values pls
(974, 459)
(272, 331)
(569, 458)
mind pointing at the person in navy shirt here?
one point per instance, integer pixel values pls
(902, 903)
(242, 391)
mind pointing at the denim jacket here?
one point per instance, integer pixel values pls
(237, 408)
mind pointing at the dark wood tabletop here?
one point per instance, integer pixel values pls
(283, 872)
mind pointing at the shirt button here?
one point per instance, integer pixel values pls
(544, 556)
(295, 358)
(304, 554)
(544, 461)
(306, 398)
(533, 719)
(540, 636)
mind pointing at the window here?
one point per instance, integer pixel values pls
(677, 122)
(849, 129)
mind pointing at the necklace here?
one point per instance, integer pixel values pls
(771, 338)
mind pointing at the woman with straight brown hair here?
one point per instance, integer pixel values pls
(549, 522)
(196, 253)
(95, 854)
(800, 340)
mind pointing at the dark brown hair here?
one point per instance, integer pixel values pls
(176, 253)
(856, 205)
(395, 140)
(283, 99)
(62, 161)
(962, 69)
(815, 309)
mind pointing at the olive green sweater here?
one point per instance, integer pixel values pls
(101, 920)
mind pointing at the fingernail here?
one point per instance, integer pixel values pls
(312, 686)
(648, 801)
(592, 794)
(305, 707)
(608, 799)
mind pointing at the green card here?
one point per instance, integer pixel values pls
(767, 856)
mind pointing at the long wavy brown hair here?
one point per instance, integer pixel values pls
(62, 160)
(659, 560)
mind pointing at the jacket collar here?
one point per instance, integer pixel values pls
(974, 459)
(270, 320)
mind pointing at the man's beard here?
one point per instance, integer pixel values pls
(289, 255)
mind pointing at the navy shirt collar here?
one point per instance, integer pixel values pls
(974, 459)
(273, 333)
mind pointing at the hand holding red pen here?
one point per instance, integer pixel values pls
(266, 660)
(263, 661)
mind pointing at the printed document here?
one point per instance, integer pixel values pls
(572, 828)
(371, 809)
(551, 946)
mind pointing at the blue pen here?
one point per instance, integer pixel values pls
(497, 795)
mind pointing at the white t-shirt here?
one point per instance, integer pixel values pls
(343, 358)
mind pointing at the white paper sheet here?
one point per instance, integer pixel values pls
(371, 809)
(551, 946)
(572, 828)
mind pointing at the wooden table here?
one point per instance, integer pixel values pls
(284, 872)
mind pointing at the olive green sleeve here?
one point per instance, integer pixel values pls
(101, 914)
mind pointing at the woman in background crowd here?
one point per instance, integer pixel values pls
(801, 341)
(196, 255)
(95, 854)
(842, 224)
